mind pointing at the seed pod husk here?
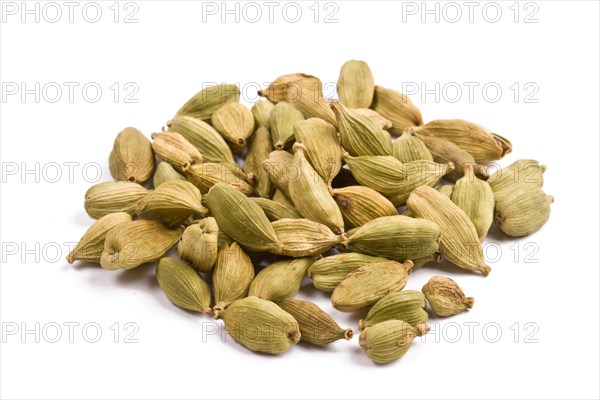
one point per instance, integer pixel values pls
(408, 148)
(206, 175)
(421, 261)
(281, 198)
(280, 168)
(240, 218)
(364, 286)
(232, 275)
(275, 211)
(258, 151)
(260, 325)
(311, 196)
(182, 285)
(303, 237)
(328, 272)
(316, 326)
(204, 103)
(446, 190)
(262, 112)
(397, 238)
(280, 280)
(445, 151)
(91, 244)
(356, 84)
(359, 136)
(360, 204)
(445, 297)
(521, 174)
(387, 341)
(523, 212)
(396, 107)
(172, 203)
(131, 244)
(235, 123)
(478, 141)
(199, 244)
(131, 158)
(321, 146)
(203, 137)
(281, 122)
(459, 243)
(173, 148)
(164, 173)
(475, 197)
(111, 197)
(407, 306)
(376, 118)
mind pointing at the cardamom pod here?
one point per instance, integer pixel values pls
(203, 137)
(397, 108)
(199, 244)
(360, 204)
(131, 244)
(316, 326)
(408, 148)
(388, 341)
(407, 306)
(281, 122)
(260, 325)
(280, 168)
(111, 197)
(235, 123)
(206, 175)
(131, 158)
(356, 84)
(164, 173)
(446, 190)
(302, 237)
(91, 244)
(275, 211)
(204, 103)
(182, 285)
(364, 286)
(523, 212)
(258, 152)
(421, 261)
(459, 242)
(445, 297)
(281, 198)
(376, 118)
(231, 276)
(280, 280)
(173, 148)
(262, 112)
(321, 146)
(521, 174)
(328, 272)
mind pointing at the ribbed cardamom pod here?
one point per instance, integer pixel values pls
(421, 261)
(111, 197)
(283, 199)
(204, 103)
(258, 151)
(260, 325)
(396, 107)
(407, 305)
(235, 123)
(445, 297)
(199, 244)
(173, 148)
(316, 326)
(360, 136)
(280, 168)
(280, 280)
(478, 141)
(356, 84)
(240, 218)
(364, 286)
(262, 112)
(131, 158)
(203, 137)
(397, 238)
(232, 275)
(328, 272)
(523, 212)
(388, 341)
(275, 211)
(475, 197)
(182, 285)
(459, 243)
(376, 118)
(321, 146)
(408, 148)
(360, 204)
(91, 244)
(446, 190)
(281, 122)
(172, 203)
(444, 151)
(131, 244)
(303, 237)
(521, 174)
(206, 175)
(164, 173)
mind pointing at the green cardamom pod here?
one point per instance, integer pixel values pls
(523, 212)
(408, 148)
(407, 306)
(235, 123)
(131, 158)
(522, 174)
(360, 204)
(356, 84)
(204, 103)
(111, 197)
(164, 173)
(303, 237)
(281, 122)
(231, 276)
(203, 137)
(258, 152)
(328, 272)
(397, 108)
(321, 146)
(182, 285)
(388, 341)
(262, 112)
(275, 211)
(280, 280)
(199, 244)
(376, 118)
(280, 168)
(445, 297)
(206, 175)
(173, 148)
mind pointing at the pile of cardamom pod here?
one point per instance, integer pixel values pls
(256, 199)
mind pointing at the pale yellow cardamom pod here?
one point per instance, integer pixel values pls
(203, 137)
(173, 148)
(262, 112)
(396, 107)
(204, 103)
(199, 244)
(356, 84)
(375, 117)
(523, 212)
(164, 173)
(235, 123)
(131, 158)
(281, 122)
(520, 175)
(408, 148)
(111, 197)
(321, 146)
(258, 152)
(445, 297)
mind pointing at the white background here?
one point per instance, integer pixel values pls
(169, 54)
